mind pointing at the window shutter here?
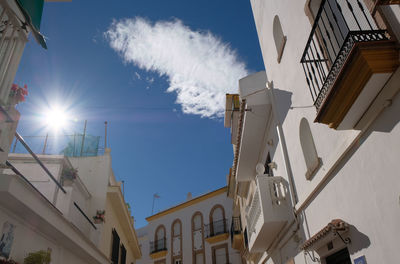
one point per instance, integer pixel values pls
(115, 247)
(123, 254)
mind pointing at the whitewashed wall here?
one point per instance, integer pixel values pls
(147, 233)
(364, 187)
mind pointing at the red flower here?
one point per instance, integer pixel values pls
(19, 92)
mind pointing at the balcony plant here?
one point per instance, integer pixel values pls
(68, 175)
(38, 257)
(7, 261)
(17, 94)
(99, 217)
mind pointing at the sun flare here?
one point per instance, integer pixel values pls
(56, 118)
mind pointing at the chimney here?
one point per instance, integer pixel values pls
(189, 196)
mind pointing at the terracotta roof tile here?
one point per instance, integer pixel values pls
(334, 225)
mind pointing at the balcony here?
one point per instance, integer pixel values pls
(158, 248)
(254, 121)
(268, 212)
(347, 61)
(216, 231)
(236, 233)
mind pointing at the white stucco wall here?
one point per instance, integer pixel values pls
(28, 239)
(147, 233)
(363, 188)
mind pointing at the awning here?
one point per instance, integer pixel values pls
(326, 233)
(32, 11)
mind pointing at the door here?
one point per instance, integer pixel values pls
(340, 257)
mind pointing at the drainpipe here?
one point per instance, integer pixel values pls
(270, 88)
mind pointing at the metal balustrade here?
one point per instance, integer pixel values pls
(158, 245)
(216, 228)
(338, 26)
(236, 227)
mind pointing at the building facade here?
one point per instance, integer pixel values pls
(315, 171)
(196, 231)
(84, 219)
(68, 209)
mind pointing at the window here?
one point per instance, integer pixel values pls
(176, 241)
(123, 254)
(279, 38)
(115, 247)
(268, 169)
(159, 239)
(308, 147)
(217, 220)
(220, 254)
(199, 258)
(197, 239)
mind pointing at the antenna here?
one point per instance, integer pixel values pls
(105, 134)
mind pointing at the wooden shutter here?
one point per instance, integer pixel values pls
(115, 247)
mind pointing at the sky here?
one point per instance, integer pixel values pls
(157, 71)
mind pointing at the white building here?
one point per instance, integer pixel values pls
(195, 231)
(325, 125)
(46, 206)
(61, 218)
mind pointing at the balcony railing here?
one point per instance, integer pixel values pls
(236, 226)
(253, 212)
(216, 228)
(338, 26)
(267, 212)
(158, 245)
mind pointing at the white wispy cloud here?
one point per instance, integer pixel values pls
(200, 67)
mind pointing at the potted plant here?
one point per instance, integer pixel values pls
(68, 175)
(38, 257)
(17, 94)
(7, 261)
(99, 217)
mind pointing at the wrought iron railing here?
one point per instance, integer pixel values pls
(338, 25)
(158, 245)
(236, 226)
(216, 228)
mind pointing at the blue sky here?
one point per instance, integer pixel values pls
(157, 77)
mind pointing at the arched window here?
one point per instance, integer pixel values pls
(217, 220)
(308, 147)
(160, 242)
(176, 241)
(279, 38)
(198, 239)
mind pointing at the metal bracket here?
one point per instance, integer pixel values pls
(346, 240)
(312, 257)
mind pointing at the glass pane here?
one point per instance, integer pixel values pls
(220, 256)
(197, 222)
(199, 258)
(177, 229)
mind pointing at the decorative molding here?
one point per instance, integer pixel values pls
(173, 235)
(217, 238)
(214, 248)
(187, 204)
(159, 254)
(202, 250)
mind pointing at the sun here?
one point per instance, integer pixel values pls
(56, 118)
